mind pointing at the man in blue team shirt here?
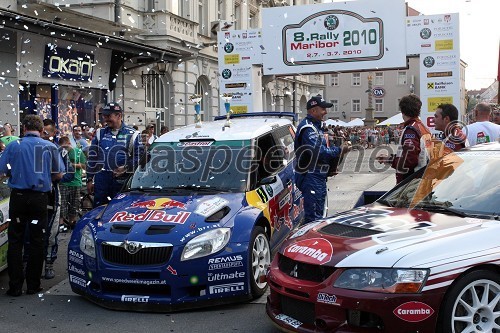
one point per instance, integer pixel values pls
(31, 165)
(113, 154)
(314, 158)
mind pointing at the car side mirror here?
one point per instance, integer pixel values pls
(268, 180)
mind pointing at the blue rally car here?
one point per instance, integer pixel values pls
(197, 223)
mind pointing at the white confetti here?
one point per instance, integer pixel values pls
(34, 222)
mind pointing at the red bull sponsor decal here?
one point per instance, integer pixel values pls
(314, 250)
(160, 203)
(151, 216)
(413, 311)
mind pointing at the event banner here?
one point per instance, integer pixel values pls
(238, 51)
(439, 62)
(331, 37)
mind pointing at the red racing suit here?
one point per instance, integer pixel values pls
(414, 149)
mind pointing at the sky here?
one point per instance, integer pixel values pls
(479, 35)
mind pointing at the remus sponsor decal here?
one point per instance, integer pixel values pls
(225, 262)
(413, 311)
(314, 250)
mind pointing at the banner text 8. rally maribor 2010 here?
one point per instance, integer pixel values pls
(334, 37)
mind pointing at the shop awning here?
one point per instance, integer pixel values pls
(122, 49)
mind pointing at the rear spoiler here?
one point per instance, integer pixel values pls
(290, 115)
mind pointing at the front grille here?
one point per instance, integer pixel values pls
(300, 310)
(303, 271)
(347, 231)
(136, 289)
(146, 256)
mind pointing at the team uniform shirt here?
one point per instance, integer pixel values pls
(414, 149)
(482, 132)
(111, 149)
(24, 164)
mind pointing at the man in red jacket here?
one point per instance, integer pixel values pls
(415, 142)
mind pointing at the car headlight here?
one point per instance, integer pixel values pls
(206, 244)
(383, 280)
(87, 242)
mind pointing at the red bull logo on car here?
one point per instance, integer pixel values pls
(160, 203)
(151, 216)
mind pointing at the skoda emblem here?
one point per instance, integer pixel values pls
(226, 73)
(429, 61)
(425, 33)
(132, 247)
(331, 22)
(228, 47)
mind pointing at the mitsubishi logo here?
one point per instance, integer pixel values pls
(132, 247)
(294, 271)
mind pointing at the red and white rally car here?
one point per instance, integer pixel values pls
(424, 258)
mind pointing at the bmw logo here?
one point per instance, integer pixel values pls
(429, 61)
(425, 33)
(229, 47)
(331, 22)
(226, 73)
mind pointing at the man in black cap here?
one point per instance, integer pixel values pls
(114, 152)
(314, 158)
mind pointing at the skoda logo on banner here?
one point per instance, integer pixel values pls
(60, 63)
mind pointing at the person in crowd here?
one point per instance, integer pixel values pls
(496, 115)
(314, 158)
(413, 150)
(483, 130)
(446, 120)
(87, 132)
(77, 140)
(113, 154)
(51, 240)
(70, 190)
(163, 130)
(152, 135)
(32, 166)
(135, 127)
(6, 134)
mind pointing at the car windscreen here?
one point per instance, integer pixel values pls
(221, 166)
(465, 183)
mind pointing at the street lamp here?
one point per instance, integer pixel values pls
(286, 93)
(149, 77)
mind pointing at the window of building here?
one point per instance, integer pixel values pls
(204, 28)
(356, 105)
(181, 8)
(155, 97)
(237, 17)
(379, 105)
(198, 90)
(335, 80)
(335, 107)
(402, 78)
(253, 23)
(379, 79)
(356, 79)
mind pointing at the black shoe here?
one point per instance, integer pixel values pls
(14, 292)
(33, 291)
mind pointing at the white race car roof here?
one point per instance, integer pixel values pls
(240, 129)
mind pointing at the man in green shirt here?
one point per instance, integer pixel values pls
(6, 134)
(70, 191)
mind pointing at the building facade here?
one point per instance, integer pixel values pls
(66, 59)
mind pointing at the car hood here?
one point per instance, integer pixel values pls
(136, 216)
(380, 236)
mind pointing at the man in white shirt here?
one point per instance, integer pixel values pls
(482, 130)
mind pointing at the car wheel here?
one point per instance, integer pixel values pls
(472, 305)
(260, 259)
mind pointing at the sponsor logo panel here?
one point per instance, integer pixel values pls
(78, 281)
(225, 276)
(316, 250)
(413, 311)
(327, 299)
(288, 320)
(135, 299)
(226, 288)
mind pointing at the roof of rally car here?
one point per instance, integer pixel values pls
(241, 129)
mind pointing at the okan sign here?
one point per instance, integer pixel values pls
(67, 64)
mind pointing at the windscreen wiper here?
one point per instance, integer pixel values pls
(437, 208)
